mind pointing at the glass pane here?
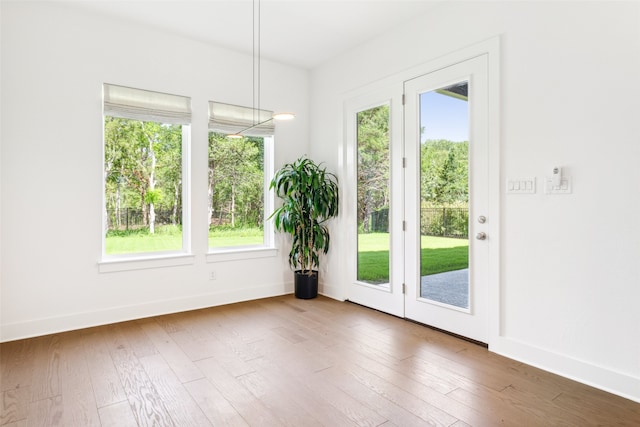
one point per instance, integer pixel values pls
(143, 186)
(236, 191)
(444, 195)
(373, 195)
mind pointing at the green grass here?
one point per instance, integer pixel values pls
(227, 237)
(438, 255)
(169, 238)
(166, 238)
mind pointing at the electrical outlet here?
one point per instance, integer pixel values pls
(212, 275)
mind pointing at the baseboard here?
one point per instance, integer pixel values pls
(330, 291)
(51, 325)
(603, 378)
(611, 381)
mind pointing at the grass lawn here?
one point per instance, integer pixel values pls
(438, 254)
(169, 238)
(166, 238)
(235, 237)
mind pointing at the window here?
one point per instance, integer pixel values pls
(240, 168)
(146, 137)
(374, 195)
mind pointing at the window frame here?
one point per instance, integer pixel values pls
(267, 248)
(142, 260)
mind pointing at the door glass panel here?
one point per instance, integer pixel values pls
(444, 195)
(373, 195)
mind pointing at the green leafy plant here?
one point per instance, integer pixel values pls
(310, 198)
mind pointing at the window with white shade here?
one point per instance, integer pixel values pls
(146, 143)
(240, 167)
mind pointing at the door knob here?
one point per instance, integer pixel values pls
(481, 236)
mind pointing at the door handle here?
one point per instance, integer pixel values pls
(481, 236)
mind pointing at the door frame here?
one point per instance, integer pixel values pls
(490, 47)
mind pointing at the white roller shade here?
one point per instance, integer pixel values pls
(233, 119)
(139, 104)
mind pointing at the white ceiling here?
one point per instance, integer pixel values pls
(302, 33)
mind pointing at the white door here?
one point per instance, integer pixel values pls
(374, 199)
(446, 256)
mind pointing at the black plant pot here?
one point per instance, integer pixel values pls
(306, 286)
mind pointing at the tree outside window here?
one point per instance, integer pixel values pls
(236, 190)
(143, 186)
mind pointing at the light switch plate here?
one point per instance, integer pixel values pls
(563, 188)
(521, 185)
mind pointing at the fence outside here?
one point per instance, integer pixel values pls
(223, 217)
(133, 219)
(380, 221)
(443, 222)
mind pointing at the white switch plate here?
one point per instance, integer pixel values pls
(521, 185)
(563, 188)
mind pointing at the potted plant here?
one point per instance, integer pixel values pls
(310, 198)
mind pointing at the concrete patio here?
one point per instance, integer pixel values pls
(451, 287)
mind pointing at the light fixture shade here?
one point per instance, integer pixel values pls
(284, 116)
(234, 119)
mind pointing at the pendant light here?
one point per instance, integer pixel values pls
(256, 77)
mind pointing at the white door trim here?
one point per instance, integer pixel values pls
(490, 47)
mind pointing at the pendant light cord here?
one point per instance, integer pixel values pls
(256, 59)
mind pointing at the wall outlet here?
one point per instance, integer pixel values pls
(212, 275)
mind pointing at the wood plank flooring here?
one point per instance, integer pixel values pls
(284, 362)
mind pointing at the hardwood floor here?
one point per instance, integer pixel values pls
(282, 361)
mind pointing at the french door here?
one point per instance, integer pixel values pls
(374, 162)
(418, 152)
(446, 199)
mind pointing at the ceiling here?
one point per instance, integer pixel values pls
(303, 33)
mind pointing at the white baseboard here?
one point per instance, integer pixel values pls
(330, 291)
(50, 325)
(619, 383)
(603, 378)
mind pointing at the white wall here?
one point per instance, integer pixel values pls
(54, 61)
(570, 283)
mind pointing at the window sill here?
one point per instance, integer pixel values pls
(239, 254)
(140, 262)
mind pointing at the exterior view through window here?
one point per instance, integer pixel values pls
(145, 135)
(240, 166)
(373, 195)
(143, 186)
(444, 195)
(236, 190)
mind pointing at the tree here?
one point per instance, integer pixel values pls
(444, 172)
(236, 179)
(169, 169)
(373, 163)
(142, 166)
